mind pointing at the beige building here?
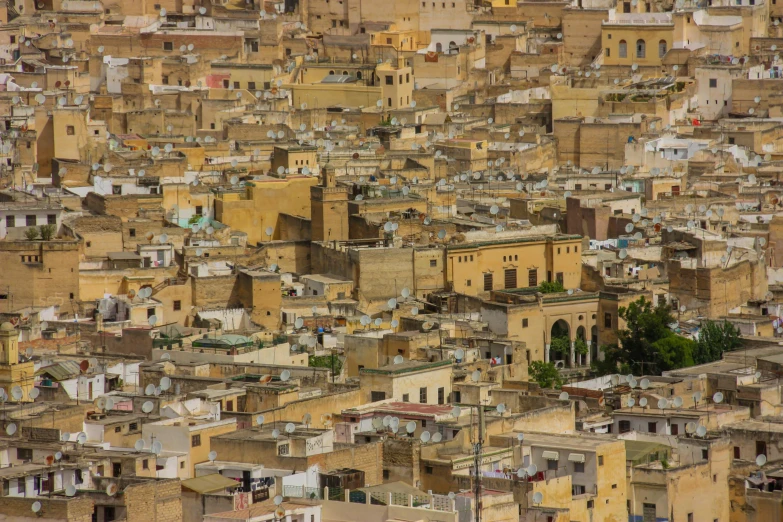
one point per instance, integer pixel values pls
(409, 381)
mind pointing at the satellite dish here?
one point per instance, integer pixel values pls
(34, 393)
(16, 393)
(81, 438)
(662, 403)
(112, 489)
(212, 456)
(147, 407)
(149, 389)
(563, 396)
(36, 507)
(285, 375)
(410, 427)
(165, 383)
(501, 408)
(437, 437)
(645, 383)
(476, 376)
(139, 445)
(455, 411)
(717, 398)
(278, 500)
(690, 427)
(459, 354)
(701, 431)
(299, 322)
(157, 447)
(643, 402)
(697, 396)
(290, 427)
(65, 437)
(425, 436)
(761, 460)
(538, 497)
(677, 402)
(10, 429)
(70, 490)
(631, 402)
(399, 359)
(275, 434)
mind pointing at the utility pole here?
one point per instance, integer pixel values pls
(477, 448)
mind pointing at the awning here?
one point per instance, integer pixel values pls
(551, 455)
(576, 457)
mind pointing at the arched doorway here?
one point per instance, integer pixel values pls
(581, 346)
(594, 343)
(560, 342)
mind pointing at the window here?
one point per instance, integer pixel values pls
(487, 282)
(607, 320)
(736, 452)
(177, 305)
(116, 469)
(761, 448)
(118, 429)
(229, 405)
(524, 322)
(690, 517)
(601, 457)
(377, 396)
(132, 232)
(625, 426)
(713, 83)
(70, 130)
(705, 453)
(608, 52)
(652, 427)
(283, 449)
(551, 465)
(532, 277)
(441, 395)
(24, 453)
(641, 49)
(559, 277)
(433, 262)
(145, 464)
(577, 489)
(661, 48)
(468, 282)
(51, 219)
(168, 46)
(590, 504)
(623, 49)
(423, 395)
(200, 210)
(675, 429)
(389, 80)
(195, 441)
(579, 467)
(133, 426)
(511, 278)
(30, 220)
(406, 397)
(428, 470)
(251, 85)
(10, 221)
(385, 477)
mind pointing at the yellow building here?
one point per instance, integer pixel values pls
(470, 155)
(301, 159)
(393, 86)
(641, 39)
(408, 381)
(262, 202)
(480, 266)
(12, 372)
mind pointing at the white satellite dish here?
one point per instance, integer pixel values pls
(538, 497)
(290, 427)
(139, 445)
(425, 436)
(761, 460)
(717, 398)
(399, 359)
(147, 407)
(701, 431)
(285, 375)
(643, 402)
(501, 408)
(212, 456)
(410, 427)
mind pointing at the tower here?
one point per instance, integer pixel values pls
(329, 208)
(12, 372)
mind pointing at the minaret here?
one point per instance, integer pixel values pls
(12, 372)
(329, 208)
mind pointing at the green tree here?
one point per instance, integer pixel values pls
(674, 352)
(545, 374)
(47, 232)
(714, 339)
(551, 287)
(560, 345)
(645, 326)
(580, 346)
(31, 234)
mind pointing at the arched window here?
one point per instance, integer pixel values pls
(331, 72)
(358, 75)
(453, 47)
(439, 47)
(623, 49)
(641, 49)
(661, 48)
(345, 73)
